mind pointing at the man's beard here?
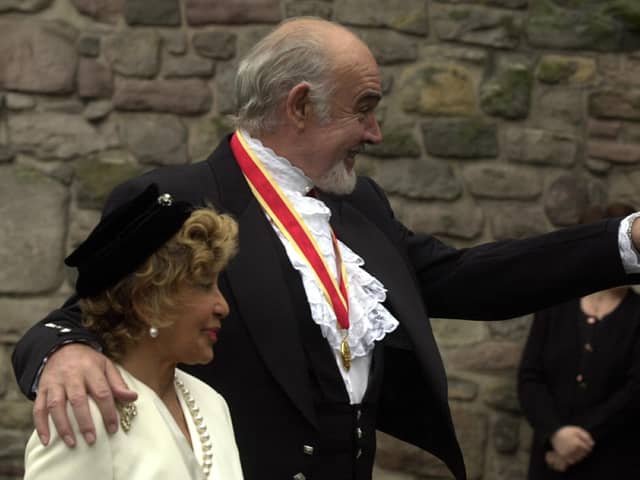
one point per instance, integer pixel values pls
(339, 180)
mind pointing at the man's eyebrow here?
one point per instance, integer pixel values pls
(370, 95)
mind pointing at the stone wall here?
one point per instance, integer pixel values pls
(502, 118)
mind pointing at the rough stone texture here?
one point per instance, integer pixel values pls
(37, 56)
(559, 110)
(89, 46)
(419, 178)
(461, 220)
(624, 186)
(397, 141)
(409, 16)
(461, 389)
(503, 397)
(502, 182)
(23, 5)
(390, 47)
(539, 147)
(101, 10)
(164, 13)
(550, 25)
(16, 414)
(517, 221)
(514, 329)
(155, 139)
(460, 138)
(97, 110)
(306, 8)
(188, 66)
(134, 53)
(205, 134)
(507, 94)
(225, 80)
(53, 135)
(489, 356)
(457, 333)
(175, 42)
(437, 88)
(615, 104)
(478, 25)
(94, 79)
(204, 12)
(555, 69)
(183, 97)
(31, 257)
(216, 44)
(506, 434)
(567, 197)
(95, 178)
(603, 128)
(18, 101)
(614, 152)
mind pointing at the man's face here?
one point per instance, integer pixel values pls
(333, 144)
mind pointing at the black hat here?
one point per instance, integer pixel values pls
(125, 238)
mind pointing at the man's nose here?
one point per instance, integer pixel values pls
(373, 134)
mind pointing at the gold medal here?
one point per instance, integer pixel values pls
(345, 353)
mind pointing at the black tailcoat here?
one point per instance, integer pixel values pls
(259, 364)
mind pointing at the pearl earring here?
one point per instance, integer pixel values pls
(153, 332)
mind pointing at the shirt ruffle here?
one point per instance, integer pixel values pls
(369, 320)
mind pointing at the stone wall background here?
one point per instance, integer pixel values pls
(502, 118)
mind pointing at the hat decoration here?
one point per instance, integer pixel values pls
(125, 238)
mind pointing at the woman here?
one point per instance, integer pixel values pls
(579, 384)
(147, 279)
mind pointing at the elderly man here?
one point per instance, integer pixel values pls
(328, 338)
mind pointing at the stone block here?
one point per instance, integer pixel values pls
(389, 47)
(437, 88)
(461, 389)
(27, 6)
(134, 53)
(31, 257)
(53, 135)
(20, 314)
(154, 139)
(573, 70)
(16, 414)
(182, 97)
(614, 152)
(18, 101)
(100, 10)
(215, 44)
(603, 128)
(89, 46)
(12, 444)
(37, 56)
(163, 13)
(205, 134)
(488, 356)
(206, 12)
(224, 88)
(188, 66)
(503, 396)
(96, 177)
(398, 140)
(94, 79)
(419, 179)
(410, 16)
(506, 434)
(540, 147)
(502, 182)
(516, 221)
(615, 104)
(568, 196)
(306, 8)
(557, 109)
(97, 110)
(507, 93)
(512, 329)
(457, 333)
(478, 26)
(398, 457)
(465, 138)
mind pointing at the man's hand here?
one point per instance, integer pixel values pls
(572, 443)
(69, 375)
(555, 461)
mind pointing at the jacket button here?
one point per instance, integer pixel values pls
(299, 476)
(359, 432)
(307, 449)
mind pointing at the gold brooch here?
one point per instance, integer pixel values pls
(127, 411)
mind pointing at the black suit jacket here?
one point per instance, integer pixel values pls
(259, 364)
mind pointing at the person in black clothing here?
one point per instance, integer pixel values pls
(579, 383)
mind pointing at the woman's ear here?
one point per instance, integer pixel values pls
(298, 105)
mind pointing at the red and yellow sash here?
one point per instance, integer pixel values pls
(288, 221)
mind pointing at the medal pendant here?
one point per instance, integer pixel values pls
(345, 353)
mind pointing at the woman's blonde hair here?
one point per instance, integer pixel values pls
(121, 314)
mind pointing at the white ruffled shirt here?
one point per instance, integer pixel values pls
(369, 320)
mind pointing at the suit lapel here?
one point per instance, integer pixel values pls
(258, 283)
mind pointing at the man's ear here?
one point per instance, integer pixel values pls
(298, 105)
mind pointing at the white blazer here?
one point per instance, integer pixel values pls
(153, 448)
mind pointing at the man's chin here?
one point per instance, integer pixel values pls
(342, 184)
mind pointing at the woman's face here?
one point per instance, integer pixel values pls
(195, 324)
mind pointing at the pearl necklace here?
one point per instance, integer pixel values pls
(201, 427)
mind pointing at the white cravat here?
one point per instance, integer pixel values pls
(369, 320)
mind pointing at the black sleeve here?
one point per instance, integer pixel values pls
(59, 327)
(533, 391)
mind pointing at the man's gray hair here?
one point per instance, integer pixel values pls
(272, 68)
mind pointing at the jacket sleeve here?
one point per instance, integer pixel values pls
(58, 461)
(533, 391)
